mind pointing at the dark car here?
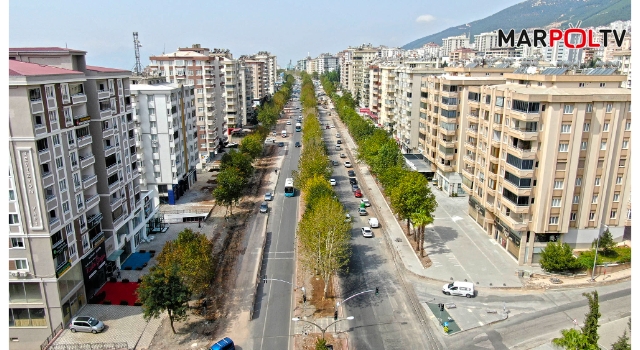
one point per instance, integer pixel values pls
(335, 163)
(297, 144)
(327, 127)
(280, 144)
(351, 173)
(353, 181)
(339, 142)
(354, 188)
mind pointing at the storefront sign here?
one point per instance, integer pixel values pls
(83, 120)
(94, 261)
(29, 188)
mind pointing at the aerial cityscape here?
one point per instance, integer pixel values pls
(469, 189)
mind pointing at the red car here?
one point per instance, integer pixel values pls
(358, 193)
(327, 127)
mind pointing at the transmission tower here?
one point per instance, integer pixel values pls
(137, 70)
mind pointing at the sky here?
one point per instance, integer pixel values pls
(288, 29)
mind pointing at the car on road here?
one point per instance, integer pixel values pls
(86, 324)
(335, 163)
(366, 232)
(338, 148)
(347, 217)
(297, 144)
(339, 142)
(327, 127)
(365, 202)
(273, 133)
(288, 122)
(268, 196)
(373, 222)
(332, 126)
(332, 182)
(358, 194)
(459, 288)
(232, 145)
(351, 173)
(347, 164)
(264, 207)
(354, 188)
(353, 181)
(280, 144)
(342, 155)
(223, 344)
(337, 135)
(362, 211)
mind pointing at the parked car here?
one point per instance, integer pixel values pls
(347, 217)
(366, 232)
(362, 211)
(342, 155)
(354, 188)
(337, 135)
(297, 144)
(373, 222)
(338, 148)
(358, 194)
(288, 122)
(347, 164)
(332, 126)
(459, 288)
(366, 202)
(223, 344)
(264, 207)
(268, 196)
(351, 173)
(353, 181)
(333, 182)
(339, 142)
(86, 324)
(335, 163)
(280, 144)
(327, 127)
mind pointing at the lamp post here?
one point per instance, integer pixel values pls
(595, 257)
(323, 330)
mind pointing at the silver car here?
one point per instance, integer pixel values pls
(86, 324)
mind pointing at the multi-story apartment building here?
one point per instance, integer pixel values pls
(549, 158)
(270, 72)
(324, 63)
(346, 71)
(76, 208)
(382, 98)
(257, 69)
(485, 41)
(624, 59)
(453, 42)
(166, 138)
(362, 57)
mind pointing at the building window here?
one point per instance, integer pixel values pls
(580, 84)
(613, 214)
(564, 147)
(583, 145)
(12, 195)
(553, 220)
(566, 128)
(16, 243)
(609, 107)
(13, 219)
(605, 127)
(589, 108)
(592, 216)
(622, 162)
(85, 242)
(586, 127)
(555, 202)
(627, 126)
(63, 185)
(65, 207)
(56, 139)
(568, 109)
(558, 184)
(18, 264)
(603, 84)
(616, 197)
(603, 145)
(59, 163)
(594, 199)
(625, 144)
(618, 180)
(576, 199)
(72, 249)
(199, 91)
(27, 317)
(572, 217)
(578, 181)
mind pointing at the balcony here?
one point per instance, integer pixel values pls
(88, 181)
(91, 200)
(44, 155)
(105, 113)
(447, 143)
(97, 239)
(78, 98)
(40, 129)
(84, 140)
(94, 220)
(54, 223)
(37, 106)
(79, 120)
(108, 132)
(109, 150)
(524, 116)
(114, 185)
(115, 202)
(523, 153)
(517, 222)
(111, 169)
(525, 134)
(103, 94)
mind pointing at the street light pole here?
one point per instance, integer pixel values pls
(323, 330)
(595, 258)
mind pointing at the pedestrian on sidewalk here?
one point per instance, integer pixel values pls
(276, 170)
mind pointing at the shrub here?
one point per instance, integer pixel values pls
(624, 254)
(126, 280)
(558, 257)
(585, 260)
(124, 302)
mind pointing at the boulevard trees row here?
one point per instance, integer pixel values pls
(323, 233)
(408, 190)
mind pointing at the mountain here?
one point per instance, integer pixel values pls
(539, 14)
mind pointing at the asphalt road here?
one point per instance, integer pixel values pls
(387, 320)
(271, 326)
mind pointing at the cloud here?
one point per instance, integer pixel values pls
(425, 19)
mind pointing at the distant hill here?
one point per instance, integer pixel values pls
(539, 14)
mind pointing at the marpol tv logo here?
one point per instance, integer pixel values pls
(573, 37)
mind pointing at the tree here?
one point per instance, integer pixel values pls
(193, 254)
(421, 219)
(557, 257)
(321, 344)
(163, 290)
(251, 145)
(590, 328)
(238, 160)
(411, 194)
(229, 190)
(573, 339)
(315, 189)
(606, 243)
(623, 341)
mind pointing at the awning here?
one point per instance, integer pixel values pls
(114, 256)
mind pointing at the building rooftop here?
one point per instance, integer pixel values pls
(19, 68)
(42, 49)
(105, 69)
(564, 91)
(155, 87)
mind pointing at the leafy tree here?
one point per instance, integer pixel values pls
(324, 237)
(590, 328)
(622, 343)
(321, 344)
(410, 195)
(252, 145)
(238, 160)
(315, 189)
(230, 187)
(193, 254)
(390, 177)
(573, 339)
(163, 290)
(421, 219)
(606, 243)
(557, 257)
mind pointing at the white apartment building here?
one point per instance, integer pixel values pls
(346, 71)
(453, 42)
(485, 41)
(166, 138)
(624, 57)
(196, 66)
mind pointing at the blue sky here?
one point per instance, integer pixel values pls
(288, 29)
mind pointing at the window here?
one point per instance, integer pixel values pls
(586, 127)
(568, 109)
(594, 199)
(622, 162)
(566, 128)
(157, 175)
(605, 127)
(583, 145)
(589, 108)
(499, 101)
(18, 264)
(603, 145)
(199, 91)
(16, 243)
(65, 207)
(56, 139)
(572, 217)
(76, 180)
(25, 293)
(555, 202)
(609, 107)
(627, 126)
(71, 137)
(59, 163)
(564, 147)
(72, 249)
(592, 216)
(553, 220)
(69, 229)
(63, 185)
(625, 144)
(27, 318)
(618, 180)
(79, 200)
(578, 181)
(12, 195)
(200, 109)
(558, 184)
(13, 219)
(580, 84)
(616, 197)
(576, 199)
(603, 84)
(85, 241)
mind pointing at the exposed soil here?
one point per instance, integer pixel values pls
(308, 342)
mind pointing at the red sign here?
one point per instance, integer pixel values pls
(365, 110)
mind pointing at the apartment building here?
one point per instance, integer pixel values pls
(361, 59)
(346, 72)
(444, 108)
(453, 42)
(270, 73)
(195, 66)
(624, 59)
(382, 98)
(73, 169)
(166, 138)
(485, 41)
(462, 54)
(548, 158)
(257, 69)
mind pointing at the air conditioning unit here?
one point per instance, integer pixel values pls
(23, 274)
(14, 273)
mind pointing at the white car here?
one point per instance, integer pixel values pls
(347, 164)
(347, 218)
(333, 182)
(459, 288)
(332, 126)
(288, 122)
(366, 232)
(373, 222)
(366, 202)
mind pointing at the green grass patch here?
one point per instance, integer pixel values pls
(616, 255)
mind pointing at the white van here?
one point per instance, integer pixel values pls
(459, 288)
(284, 133)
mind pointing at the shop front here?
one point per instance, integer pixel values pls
(477, 211)
(94, 270)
